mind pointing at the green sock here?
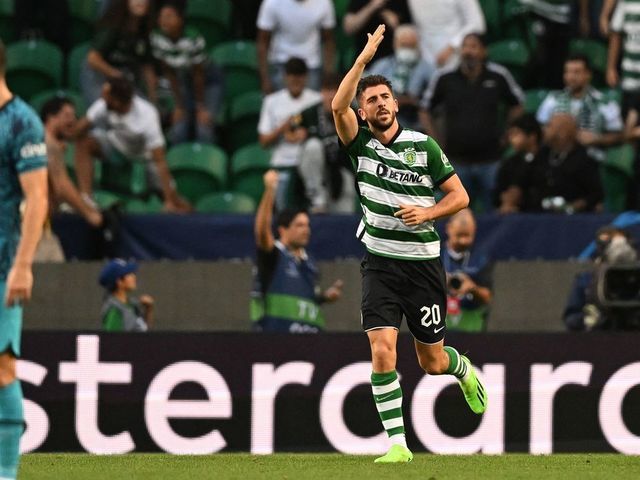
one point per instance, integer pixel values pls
(387, 394)
(11, 428)
(457, 367)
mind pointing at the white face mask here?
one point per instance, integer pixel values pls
(407, 55)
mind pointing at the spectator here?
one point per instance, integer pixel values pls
(443, 25)
(552, 29)
(295, 28)
(126, 128)
(408, 72)
(196, 84)
(468, 275)
(599, 120)
(323, 160)
(588, 306)
(121, 312)
(624, 26)
(632, 134)
(280, 126)
(365, 15)
(121, 49)
(43, 18)
(285, 296)
(525, 138)
(472, 97)
(59, 118)
(563, 177)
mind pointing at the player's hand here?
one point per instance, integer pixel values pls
(146, 301)
(334, 292)
(371, 47)
(413, 215)
(270, 178)
(297, 135)
(19, 285)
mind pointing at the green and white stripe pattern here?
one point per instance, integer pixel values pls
(388, 397)
(402, 173)
(626, 20)
(558, 11)
(184, 53)
(457, 367)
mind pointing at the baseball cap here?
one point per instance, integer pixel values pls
(115, 269)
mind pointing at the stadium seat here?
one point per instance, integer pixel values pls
(137, 205)
(239, 61)
(226, 202)
(596, 52)
(242, 120)
(493, 18)
(33, 66)
(212, 21)
(533, 99)
(84, 14)
(74, 64)
(127, 178)
(512, 54)
(37, 101)
(105, 199)
(248, 165)
(198, 169)
(616, 174)
(7, 23)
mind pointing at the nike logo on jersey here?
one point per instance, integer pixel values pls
(436, 330)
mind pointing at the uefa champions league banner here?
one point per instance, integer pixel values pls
(202, 393)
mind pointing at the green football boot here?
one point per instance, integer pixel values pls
(474, 392)
(396, 454)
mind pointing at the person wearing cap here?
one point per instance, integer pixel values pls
(121, 312)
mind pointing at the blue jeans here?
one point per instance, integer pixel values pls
(479, 181)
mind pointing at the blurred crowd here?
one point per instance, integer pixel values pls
(182, 105)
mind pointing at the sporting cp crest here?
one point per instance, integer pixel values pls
(410, 156)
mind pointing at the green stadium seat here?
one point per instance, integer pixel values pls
(226, 202)
(534, 98)
(137, 205)
(239, 60)
(74, 64)
(596, 52)
(242, 120)
(33, 66)
(105, 199)
(126, 178)
(616, 174)
(198, 169)
(512, 54)
(493, 18)
(248, 165)
(341, 8)
(212, 19)
(7, 23)
(37, 101)
(84, 14)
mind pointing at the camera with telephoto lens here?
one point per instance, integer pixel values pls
(454, 281)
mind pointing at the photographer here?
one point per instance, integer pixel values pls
(606, 296)
(468, 275)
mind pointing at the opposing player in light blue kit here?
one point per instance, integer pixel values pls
(397, 170)
(23, 175)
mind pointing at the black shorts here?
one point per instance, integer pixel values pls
(391, 288)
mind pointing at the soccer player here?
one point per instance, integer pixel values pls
(23, 174)
(397, 170)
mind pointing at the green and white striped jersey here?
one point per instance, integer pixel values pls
(182, 54)
(626, 21)
(403, 172)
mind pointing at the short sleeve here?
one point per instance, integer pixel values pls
(30, 151)
(97, 112)
(266, 124)
(329, 17)
(357, 145)
(153, 133)
(546, 109)
(112, 320)
(612, 116)
(267, 19)
(440, 169)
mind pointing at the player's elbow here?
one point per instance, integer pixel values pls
(463, 200)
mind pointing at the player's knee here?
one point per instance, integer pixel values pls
(383, 353)
(7, 370)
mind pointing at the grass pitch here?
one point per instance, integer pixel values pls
(226, 466)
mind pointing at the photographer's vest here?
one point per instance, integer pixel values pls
(288, 303)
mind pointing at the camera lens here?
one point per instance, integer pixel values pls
(455, 282)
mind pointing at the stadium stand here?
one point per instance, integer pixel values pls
(248, 165)
(242, 120)
(226, 202)
(33, 66)
(7, 27)
(84, 14)
(213, 23)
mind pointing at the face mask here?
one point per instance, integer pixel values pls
(407, 55)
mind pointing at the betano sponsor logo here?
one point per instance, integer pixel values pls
(403, 176)
(33, 150)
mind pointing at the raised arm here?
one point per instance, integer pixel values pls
(343, 116)
(264, 215)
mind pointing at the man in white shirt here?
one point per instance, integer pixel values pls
(295, 28)
(443, 24)
(123, 127)
(280, 124)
